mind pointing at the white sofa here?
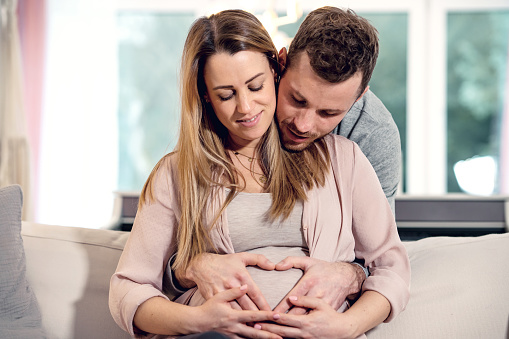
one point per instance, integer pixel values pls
(460, 286)
(69, 268)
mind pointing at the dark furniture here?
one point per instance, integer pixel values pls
(416, 216)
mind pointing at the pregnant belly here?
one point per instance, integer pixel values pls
(276, 284)
(273, 284)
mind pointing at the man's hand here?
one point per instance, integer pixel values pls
(330, 282)
(214, 273)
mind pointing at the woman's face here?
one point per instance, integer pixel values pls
(241, 89)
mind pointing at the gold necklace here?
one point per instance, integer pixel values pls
(262, 178)
(250, 159)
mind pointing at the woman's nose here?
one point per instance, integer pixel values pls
(244, 103)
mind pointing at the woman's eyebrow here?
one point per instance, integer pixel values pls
(256, 76)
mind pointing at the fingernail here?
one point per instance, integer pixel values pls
(258, 326)
(293, 298)
(276, 316)
(243, 287)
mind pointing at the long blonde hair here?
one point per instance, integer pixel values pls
(202, 161)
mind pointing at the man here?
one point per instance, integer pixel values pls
(323, 87)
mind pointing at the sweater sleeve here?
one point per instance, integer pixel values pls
(383, 150)
(139, 274)
(376, 237)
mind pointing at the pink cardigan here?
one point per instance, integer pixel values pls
(349, 217)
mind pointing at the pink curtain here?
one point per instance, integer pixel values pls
(32, 28)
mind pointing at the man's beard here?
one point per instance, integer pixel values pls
(293, 147)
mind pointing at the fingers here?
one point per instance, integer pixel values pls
(279, 330)
(251, 332)
(252, 259)
(306, 302)
(295, 310)
(256, 296)
(289, 325)
(294, 262)
(235, 305)
(231, 294)
(285, 304)
(246, 303)
(254, 299)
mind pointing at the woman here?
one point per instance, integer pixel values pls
(227, 183)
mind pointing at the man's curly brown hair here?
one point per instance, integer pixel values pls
(339, 43)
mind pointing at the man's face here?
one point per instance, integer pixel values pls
(310, 107)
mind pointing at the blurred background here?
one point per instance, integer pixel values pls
(101, 100)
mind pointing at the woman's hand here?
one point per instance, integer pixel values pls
(322, 321)
(216, 314)
(214, 273)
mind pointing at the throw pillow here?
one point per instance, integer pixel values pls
(19, 311)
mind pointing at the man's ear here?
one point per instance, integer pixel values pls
(362, 94)
(282, 59)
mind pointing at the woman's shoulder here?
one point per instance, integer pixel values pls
(165, 171)
(340, 146)
(167, 162)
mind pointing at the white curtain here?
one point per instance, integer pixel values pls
(14, 149)
(78, 157)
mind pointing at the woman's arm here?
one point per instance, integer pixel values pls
(161, 316)
(370, 310)
(323, 321)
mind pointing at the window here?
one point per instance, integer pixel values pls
(476, 75)
(442, 72)
(149, 51)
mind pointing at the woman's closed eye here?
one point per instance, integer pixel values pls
(233, 92)
(226, 97)
(256, 89)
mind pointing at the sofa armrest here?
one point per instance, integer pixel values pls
(459, 289)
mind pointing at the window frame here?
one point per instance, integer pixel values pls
(426, 158)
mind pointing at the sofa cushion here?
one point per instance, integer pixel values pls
(69, 269)
(459, 289)
(19, 311)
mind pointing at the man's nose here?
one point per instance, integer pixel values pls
(244, 103)
(303, 121)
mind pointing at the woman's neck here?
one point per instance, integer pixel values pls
(247, 149)
(247, 163)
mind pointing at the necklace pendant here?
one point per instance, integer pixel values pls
(250, 159)
(263, 179)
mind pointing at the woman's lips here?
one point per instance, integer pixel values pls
(251, 121)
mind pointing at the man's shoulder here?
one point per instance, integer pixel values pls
(370, 109)
(367, 116)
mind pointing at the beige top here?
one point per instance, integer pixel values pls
(349, 217)
(251, 231)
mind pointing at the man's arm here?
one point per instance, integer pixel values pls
(370, 124)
